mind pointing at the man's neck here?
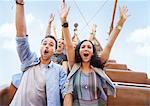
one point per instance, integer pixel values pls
(42, 61)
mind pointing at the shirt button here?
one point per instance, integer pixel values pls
(86, 86)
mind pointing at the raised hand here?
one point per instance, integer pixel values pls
(94, 28)
(63, 12)
(123, 13)
(51, 19)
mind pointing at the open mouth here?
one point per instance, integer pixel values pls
(86, 54)
(45, 51)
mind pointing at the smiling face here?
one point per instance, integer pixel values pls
(47, 48)
(86, 51)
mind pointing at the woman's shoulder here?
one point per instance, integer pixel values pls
(74, 69)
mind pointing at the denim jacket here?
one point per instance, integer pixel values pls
(55, 76)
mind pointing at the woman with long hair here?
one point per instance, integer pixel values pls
(88, 84)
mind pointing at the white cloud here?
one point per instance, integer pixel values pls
(140, 35)
(8, 29)
(141, 38)
(143, 50)
(30, 18)
(8, 32)
(9, 45)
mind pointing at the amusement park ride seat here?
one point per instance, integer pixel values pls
(132, 88)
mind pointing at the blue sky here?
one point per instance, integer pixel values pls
(132, 46)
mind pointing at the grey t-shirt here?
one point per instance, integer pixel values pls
(59, 58)
(31, 91)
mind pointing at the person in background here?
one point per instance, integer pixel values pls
(94, 40)
(59, 56)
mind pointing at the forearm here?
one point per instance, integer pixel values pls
(69, 46)
(68, 100)
(113, 36)
(20, 21)
(48, 31)
(67, 37)
(55, 33)
(115, 33)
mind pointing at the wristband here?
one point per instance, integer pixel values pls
(65, 24)
(119, 27)
(19, 3)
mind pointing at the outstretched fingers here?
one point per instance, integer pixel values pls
(123, 12)
(64, 12)
(51, 17)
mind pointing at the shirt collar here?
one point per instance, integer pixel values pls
(50, 65)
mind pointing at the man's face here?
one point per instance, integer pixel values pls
(47, 48)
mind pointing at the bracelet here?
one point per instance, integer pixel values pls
(91, 33)
(65, 24)
(19, 3)
(119, 27)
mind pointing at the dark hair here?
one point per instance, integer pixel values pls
(95, 61)
(50, 36)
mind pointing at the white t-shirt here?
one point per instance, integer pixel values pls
(32, 89)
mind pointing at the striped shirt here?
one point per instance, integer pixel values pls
(89, 87)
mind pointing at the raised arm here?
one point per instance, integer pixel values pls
(114, 34)
(67, 37)
(48, 31)
(20, 19)
(55, 31)
(23, 48)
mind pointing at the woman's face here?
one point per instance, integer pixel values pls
(86, 51)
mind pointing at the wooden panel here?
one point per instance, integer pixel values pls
(130, 96)
(116, 66)
(148, 81)
(127, 76)
(6, 95)
(111, 61)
